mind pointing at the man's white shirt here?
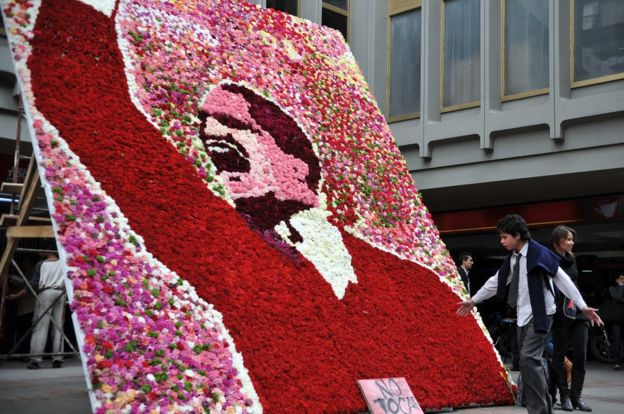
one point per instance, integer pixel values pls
(51, 275)
(525, 313)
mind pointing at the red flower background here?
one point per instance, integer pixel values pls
(304, 348)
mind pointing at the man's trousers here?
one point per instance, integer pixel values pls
(39, 337)
(531, 346)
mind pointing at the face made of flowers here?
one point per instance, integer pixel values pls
(272, 174)
(262, 156)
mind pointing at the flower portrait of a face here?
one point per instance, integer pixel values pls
(240, 230)
(272, 174)
(263, 157)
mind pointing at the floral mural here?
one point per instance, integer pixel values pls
(241, 233)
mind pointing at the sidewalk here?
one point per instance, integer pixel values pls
(44, 390)
(603, 392)
(63, 391)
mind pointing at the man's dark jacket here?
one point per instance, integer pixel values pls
(541, 263)
(463, 275)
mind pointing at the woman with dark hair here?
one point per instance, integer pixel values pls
(570, 326)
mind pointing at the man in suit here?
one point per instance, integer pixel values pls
(464, 269)
(530, 270)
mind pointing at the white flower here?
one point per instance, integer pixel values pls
(103, 6)
(323, 245)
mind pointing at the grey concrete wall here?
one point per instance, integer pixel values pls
(8, 101)
(6, 64)
(311, 10)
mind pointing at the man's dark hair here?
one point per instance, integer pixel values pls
(463, 257)
(513, 224)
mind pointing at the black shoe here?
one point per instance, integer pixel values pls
(580, 405)
(566, 404)
(33, 365)
(57, 364)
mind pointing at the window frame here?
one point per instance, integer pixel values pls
(503, 49)
(396, 7)
(298, 9)
(587, 82)
(466, 105)
(343, 12)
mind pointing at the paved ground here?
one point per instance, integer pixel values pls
(44, 390)
(604, 392)
(63, 391)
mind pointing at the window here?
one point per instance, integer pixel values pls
(403, 89)
(287, 6)
(461, 31)
(525, 52)
(597, 41)
(335, 14)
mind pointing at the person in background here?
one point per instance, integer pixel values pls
(530, 270)
(570, 327)
(548, 354)
(24, 308)
(466, 263)
(612, 309)
(49, 283)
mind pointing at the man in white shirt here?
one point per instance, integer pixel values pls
(529, 270)
(48, 281)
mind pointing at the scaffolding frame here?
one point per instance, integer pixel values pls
(22, 204)
(11, 353)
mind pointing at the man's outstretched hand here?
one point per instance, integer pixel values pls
(465, 307)
(592, 315)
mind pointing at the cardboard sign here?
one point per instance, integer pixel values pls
(389, 396)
